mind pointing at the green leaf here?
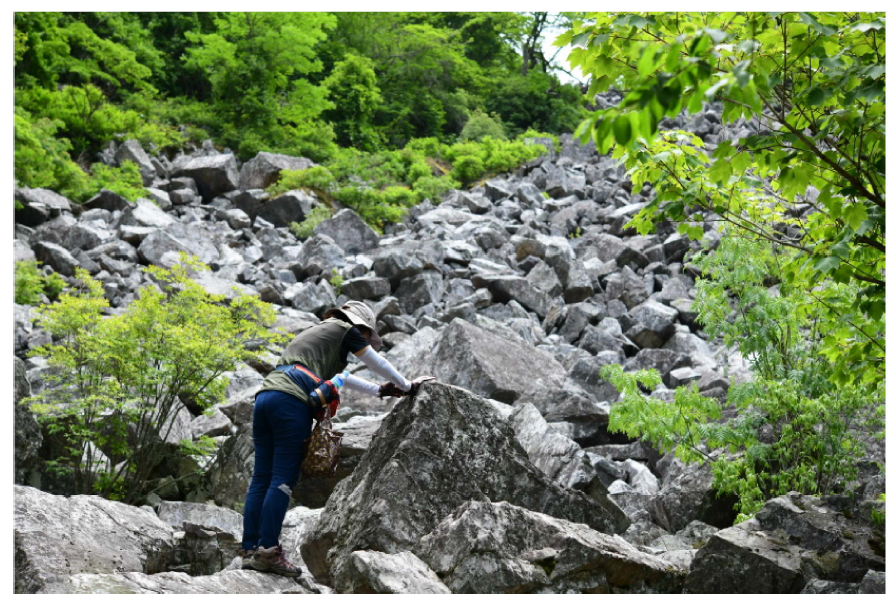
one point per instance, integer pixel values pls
(826, 264)
(854, 214)
(581, 39)
(814, 24)
(622, 129)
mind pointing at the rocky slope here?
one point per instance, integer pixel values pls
(502, 477)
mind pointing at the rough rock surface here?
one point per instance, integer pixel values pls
(264, 169)
(370, 572)
(485, 547)
(57, 536)
(434, 452)
(793, 539)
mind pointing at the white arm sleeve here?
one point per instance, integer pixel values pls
(362, 385)
(381, 366)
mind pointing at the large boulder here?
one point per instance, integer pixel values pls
(39, 205)
(422, 289)
(690, 497)
(214, 175)
(371, 572)
(229, 476)
(225, 582)
(509, 287)
(490, 548)
(435, 451)
(792, 540)
(57, 257)
(493, 366)
(57, 536)
(264, 169)
(349, 231)
(147, 214)
(398, 262)
(653, 324)
(559, 457)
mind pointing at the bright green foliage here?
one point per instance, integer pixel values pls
(356, 99)
(42, 159)
(814, 432)
(318, 179)
(125, 180)
(305, 228)
(30, 283)
(174, 341)
(337, 280)
(396, 180)
(256, 63)
(480, 125)
(816, 84)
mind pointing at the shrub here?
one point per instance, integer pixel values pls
(317, 179)
(795, 430)
(481, 125)
(30, 283)
(468, 169)
(42, 159)
(125, 181)
(120, 377)
(305, 228)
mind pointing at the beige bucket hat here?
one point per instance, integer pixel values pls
(359, 314)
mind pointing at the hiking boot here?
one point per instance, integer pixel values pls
(248, 558)
(272, 560)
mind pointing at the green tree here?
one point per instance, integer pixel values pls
(256, 63)
(120, 377)
(356, 99)
(815, 84)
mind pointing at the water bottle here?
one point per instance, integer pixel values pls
(339, 379)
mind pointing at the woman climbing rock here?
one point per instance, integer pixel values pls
(282, 419)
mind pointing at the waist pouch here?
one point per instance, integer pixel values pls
(319, 391)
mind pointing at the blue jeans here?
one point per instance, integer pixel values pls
(280, 425)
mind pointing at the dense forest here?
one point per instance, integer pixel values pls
(341, 89)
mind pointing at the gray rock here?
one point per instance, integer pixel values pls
(398, 262)
(202, 515)
(693, 347)
(130, 150)
(544, 279)
(486, 547)
(653, 324)
(497, 190)
(874, 582)
(612, 248)
(681, 377)
(693, 536)
(56, 257)
(492, 366)
(417, 291)
(230, 474)
(476, 203)
(661, 360)
(281, 211)
(506, 288)
(439, 449)
(147, 214)
(108, 200)
(39, 205)
(640, 478)
(56, 536)
(215, 425)
(349, 231)
(28, 436)
(558, 457)
(371, 572)
(22, 251)
(264, 169)
(225, 582)
(690, 497)
(214, 175)
(319, 254)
